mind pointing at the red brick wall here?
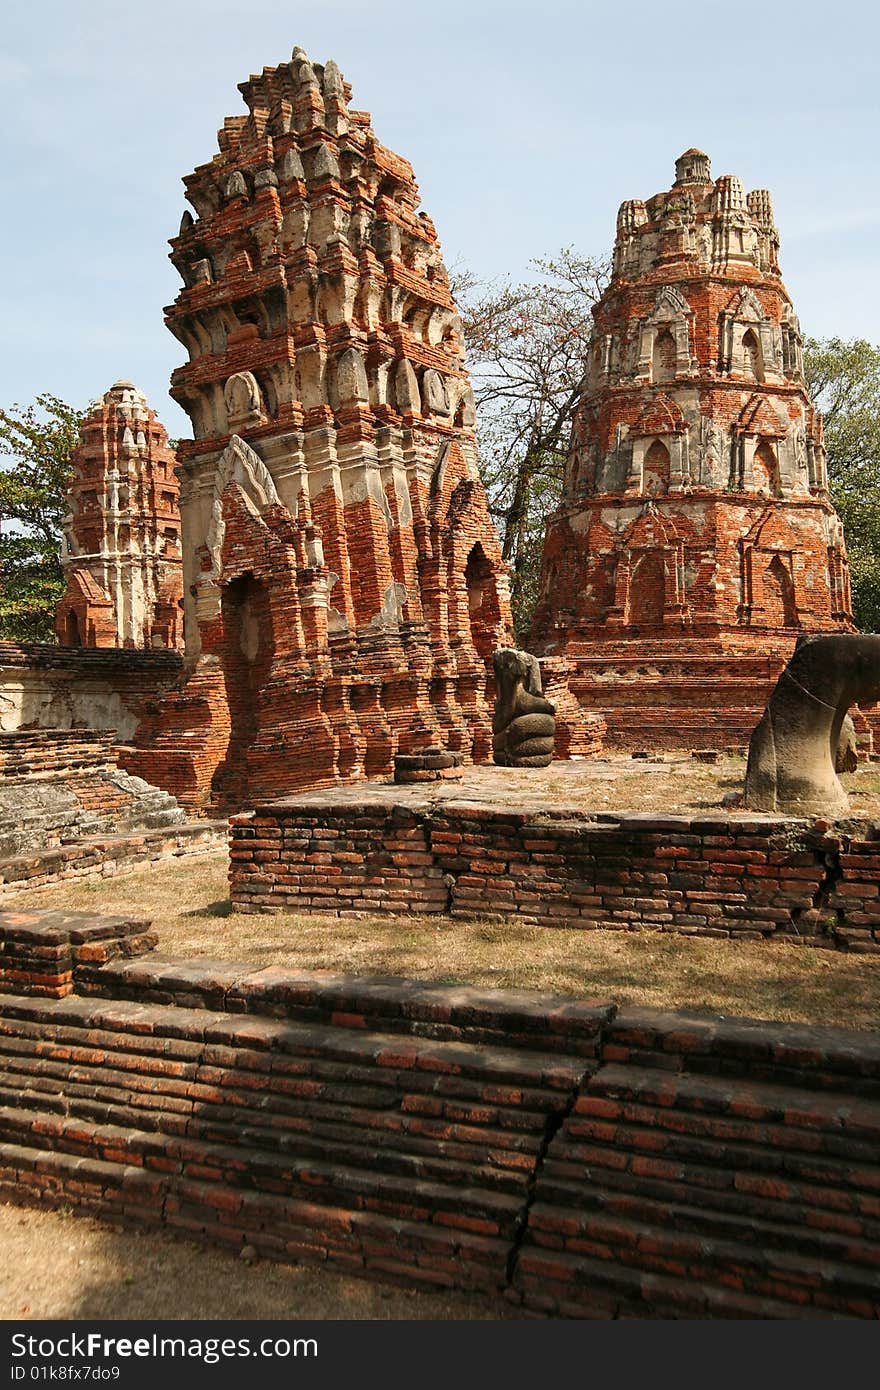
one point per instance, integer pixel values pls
(737, 876)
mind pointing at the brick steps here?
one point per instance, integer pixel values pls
(719, 1182)
(360, 1241)
(649, 1221)
(793, 1278)
(788, 1057)
(297, 1132)
(587, 1161)
(435, 1141)
(295, 1174)
(577, 1286)
(512, 1020)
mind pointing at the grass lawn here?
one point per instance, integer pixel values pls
(189, 907)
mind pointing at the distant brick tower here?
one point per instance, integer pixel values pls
(121, 543)
(695, 538)
(343, 580)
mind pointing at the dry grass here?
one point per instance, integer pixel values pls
(190, 910)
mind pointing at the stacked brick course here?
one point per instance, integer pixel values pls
(121, 543)
(695, 537)
(68, 811)
(746, 877)
(583, 1161)
(103, 855)
(344, 586)
(41, 950)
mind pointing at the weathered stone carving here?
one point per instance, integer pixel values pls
(693, 415)
(793, 748)
(523, 726)
(241, 395)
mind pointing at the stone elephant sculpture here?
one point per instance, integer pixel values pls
(523, 725)
(793, 748)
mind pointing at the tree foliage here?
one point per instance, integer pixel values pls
(527, 348)
(39, 438)
(843, 379)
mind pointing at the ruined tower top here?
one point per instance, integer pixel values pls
(307, 239)
(697, 226)
(692, 167)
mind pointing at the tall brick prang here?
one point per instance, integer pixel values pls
(344, 585)
(695, 538)
(121, 542)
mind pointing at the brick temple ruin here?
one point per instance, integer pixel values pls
(344, 593)
(121, 541)
(343, 581)
(695, 538)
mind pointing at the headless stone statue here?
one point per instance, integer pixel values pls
(793, 749)
(523, 726)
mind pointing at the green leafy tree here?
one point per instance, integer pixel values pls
(39, 438)
(527, 350)
(843, 379)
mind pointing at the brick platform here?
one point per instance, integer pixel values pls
(411, 849)
(581, 1160)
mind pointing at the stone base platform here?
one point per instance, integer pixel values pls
(501, 842)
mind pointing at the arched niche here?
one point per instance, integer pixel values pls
(246, 655)
(765, 468)
(655, 469)
(663, 357)
(484, 610)
(780, 606)
(752, 359)
(647, 589)
(671, 315)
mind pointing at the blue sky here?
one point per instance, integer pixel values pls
(527, 126)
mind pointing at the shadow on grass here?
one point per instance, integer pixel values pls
(221, 908)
